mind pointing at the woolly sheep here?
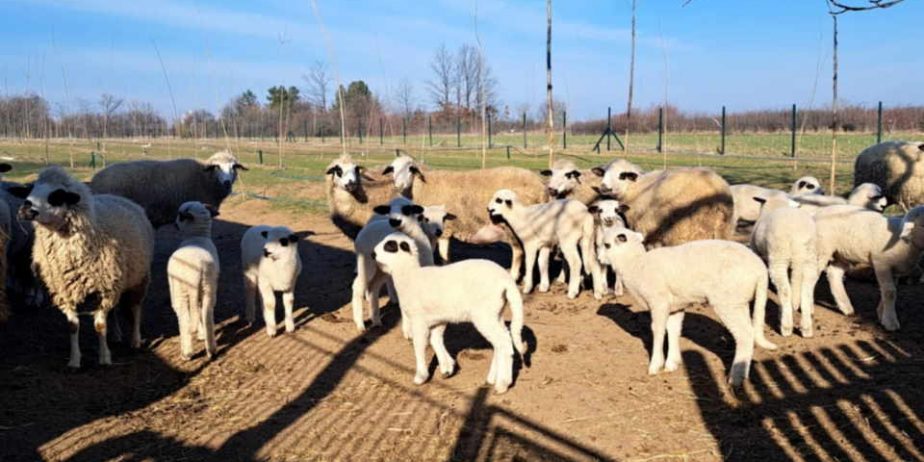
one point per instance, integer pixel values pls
(897, 167)
(350, 199)
(271, 263)
(566, 181)
(404, 170)
(470, 290)
(671, 207)
(747, 210)
(607, 214)
(723, 274)
(192, 274)
(566, 223)
(160, 187)
(806, 185)
(850, 235)
(867, 195)
(88, 244)
(785, 237)
(7, 224)
(466, 192)
(369, 278)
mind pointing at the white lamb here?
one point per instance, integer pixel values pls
(470, 290)
(566, 181)
(192, 274)
(607, 215)
(806, 185)
(369, 279)
(566, 223)
(785, 237)
(849, 235)
(723, 274)
(747, 210)
(866, 195)
(271, 263)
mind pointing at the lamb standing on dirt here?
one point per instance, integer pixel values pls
(849, 235)
(565, 181)
(897, 167)
(271, 263)
(785, 237)
(671, 207)
(88, 244)
(867, 195)
(566, 223)
(607, 215)
(470, 290)
(747, 210)
(349, 199)
(160, 187)
(192, 274)
(723, 274)
(806, 185)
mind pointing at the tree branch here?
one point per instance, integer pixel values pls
(836, 7)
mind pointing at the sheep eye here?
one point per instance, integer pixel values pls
(801, 184)
(509, 203)
(499, 200)
(810, 186)
(391, 247)
(405, 247)
(622, 238)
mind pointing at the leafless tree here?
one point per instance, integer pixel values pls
(318, 80)
(550, 118)
(468, 64)
(442, 86)
(110, 105)
(404, 97)
(631, 80)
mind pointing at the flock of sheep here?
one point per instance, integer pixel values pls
(666, 237)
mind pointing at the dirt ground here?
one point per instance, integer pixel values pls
(327, 392)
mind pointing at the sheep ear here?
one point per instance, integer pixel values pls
(599, 171)
(388, 170)
(382, 209)
(240, 167)
(593, 209)
(293, 238)
(213, 212)
(760, 200)
(4, 167)
(416, 171)
(334, 170)
(304, 234)
(921, 146)
(545, 172)
(265, 234)
(412, 210)
(210, 168)
(907, 228)
(623, 208)
(20, 192)
(449, 217)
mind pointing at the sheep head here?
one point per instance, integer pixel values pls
(913, 227)
(619, 244)
(806, 185)
(434, 218)
(608, 212)
(223, 167)
(194, 216)
(563, 179)
(501, 205)
(345, 174)
(618, 176)
(396, 250)
(52, 198)
(403, 170)
(280, 243)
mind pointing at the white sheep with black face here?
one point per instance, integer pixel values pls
(351, 195)
(566, 181)
(806, 185)
(607, 214)
(867, 195)
(432, 297)
(271, 263)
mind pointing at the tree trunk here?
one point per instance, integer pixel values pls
(631, 80)
(834, 117)
(548, 79)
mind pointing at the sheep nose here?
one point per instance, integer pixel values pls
(439, 232)
(27, 213)
(394, 222)
(373, 254)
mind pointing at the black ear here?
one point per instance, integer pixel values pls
(388, 170)
(4, 167)
(210, 168)
(391, 246)
(360, 169)
(304, 234)
(593, 209)
(293, 237)
(412, 210)
(240, 167)
(449, 216)
(921, 147)
(335, 170)
(631, 176)
(760, 200)
(623, 208)
(213, 212)
(284, 241)
(61, 197)
(545, 172)
(416, 171)
(265, 234)
(21, 192)
(406, 247)
(599, 171)
(382, 209)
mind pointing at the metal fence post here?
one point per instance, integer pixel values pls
(430, 129)
(792, 145)
(404, 130)
(381, 132)
(879, 124)
(458, 132)
(609, 126)
(306, 130)
(722, 134)
(260, 155)
(564, 129)
(661, 129)
(524, 130)
(490, 142)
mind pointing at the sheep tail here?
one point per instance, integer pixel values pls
(516, 319)
(760, 308)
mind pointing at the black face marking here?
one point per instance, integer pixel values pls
(390, 247)
(760, 200)
(509, 203)
(545, 172)
(394, 222)
(382, 209)
(800, 185)
(4, 167)
(388, 170)
(266, 253)
(594, 209)
(607, 245)
(264, 234)
(449, 216)
(293, 238)
(406, 247)
(211, 168)
(284, 241)
(621, 237)
(809, 186)
(499, 200)
(335, 170)
(631, 176)
(574, 174)
(409, 210)
(599, 171)
(61, 197)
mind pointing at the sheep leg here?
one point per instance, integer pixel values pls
(420, 333)
(543, 263)
(288, 301)
(100, 324)
(835, 276)
(562, 277)
(591, 265)
(807, 275)
(659, 315)
(443, 247)
(447, 364)
(737, 319)
(779, 274)
(364, 269)
(618, 288)
(269, 308)
(392, 294)
(74, 324)
(529, 261)
(570, 252)
(206, 319)
(493, 329)
(115, 327)
(375, 288)
(674, 326)
(516, 258)
(250, 297)
(887, 292)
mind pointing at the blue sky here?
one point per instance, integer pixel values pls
(744, 54)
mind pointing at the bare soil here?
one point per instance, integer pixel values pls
(327, 392)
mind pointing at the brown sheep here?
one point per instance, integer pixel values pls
(897, 167)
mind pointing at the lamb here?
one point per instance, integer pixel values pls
(160, 187)
(350, 199)
(897, 167)
(369, 278)
(866, 195)
(566, 223)
(470, 290)
(468, 191)
(607, 214)
(192, 274)
(565, 181)
(806, 185)
(271, 263)
(88, 244)
(785, 237)
(666, 280)
(849, 235)
(404, 170)
(747, 210)
(434, 220)
(671, 207)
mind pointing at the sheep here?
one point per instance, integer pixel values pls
(160, 187)
(350, 199)
(565, 181)
(564, 222)
(467, 192)
(470, 290)
(434, 220)
(849, 235)
(607, 214)
(671, 207)
(723, 274)
(404, 169)
(88, 244)
(192, 275)
(806, 185)
(7, 224)
(897, 167)
(369, 279)
(747, 210)
(866, 195)
(785, 237)
(271, 263)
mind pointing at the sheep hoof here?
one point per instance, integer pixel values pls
(73, 364)
(448, 370)
(527, 290)
(361, 327)
(572, 295)
(200, 336)
(186, 356)
(890, 324)
(271, 332)
(501, 388)
(654, 369)
(543, 288)
(671, 366)
(420, 379)
(786, 331)
(290, 328)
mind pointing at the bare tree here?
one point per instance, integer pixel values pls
(631, 80)
(550, 120)
(110, 105)
(318, 81)
(467, 70)
(404, 97)
(442, 86)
